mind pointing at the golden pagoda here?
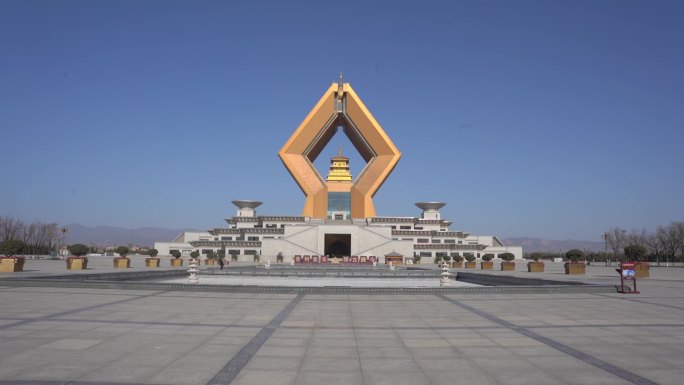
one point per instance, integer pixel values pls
(339, 168)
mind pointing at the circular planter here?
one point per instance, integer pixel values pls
(177, 262)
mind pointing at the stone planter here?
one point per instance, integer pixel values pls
(507, 266)
(210, 261)
(642, 270)
(152, 262)
(122, 263)
(11, 265)
(574, 268)
(470, 265)
(457, 265)
(535, 267)
(76, 263)
(487, 265)
(176, 262)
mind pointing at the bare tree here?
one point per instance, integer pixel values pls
(668, 241)
(637, 238)
(677, 232)
(617, 239)
(10, 228)
(654, 244)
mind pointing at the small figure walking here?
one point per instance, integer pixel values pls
(221, 263)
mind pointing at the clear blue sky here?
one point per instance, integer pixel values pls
(556, 119)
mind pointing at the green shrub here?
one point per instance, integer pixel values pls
(458, 258)
(175, 253)
(12, 247)
(122, 251)
(635, 252)
(194, 254)
(487, 257)
(78, 249)
(536, 256)
(574, 255)
(470, 257)
(152, 252)
(507, 256)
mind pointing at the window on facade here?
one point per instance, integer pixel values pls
(423, 240)
(253, 239)
(226, 238)
(250, 252)
(418, 227)
(436, 241)
(440, 254)
(234, 252)
(407, 239)
(460, 242)
(426, 254)
(449, 241)
(454, 254)
(207, 251)
(394, 227)
(405, 227)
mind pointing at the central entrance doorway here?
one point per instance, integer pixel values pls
(338, 245)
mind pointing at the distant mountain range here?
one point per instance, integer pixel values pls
(117, 236)
(146, 236)
(547, 245)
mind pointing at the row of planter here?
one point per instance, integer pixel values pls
(642, 269)
(16, 264)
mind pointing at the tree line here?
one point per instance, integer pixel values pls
(666, 243)
(38, 237)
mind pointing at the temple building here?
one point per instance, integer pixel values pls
(338, 222)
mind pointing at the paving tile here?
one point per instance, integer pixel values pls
(262, 377)
(352, 377)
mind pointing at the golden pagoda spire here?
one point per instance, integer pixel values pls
(339, 168)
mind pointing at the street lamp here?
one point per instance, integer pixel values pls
(604, 236)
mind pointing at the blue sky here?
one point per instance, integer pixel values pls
(556, 119)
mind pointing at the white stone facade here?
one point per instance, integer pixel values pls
(249, 237)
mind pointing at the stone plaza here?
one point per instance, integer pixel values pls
(56, 334)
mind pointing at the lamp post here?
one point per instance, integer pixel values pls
(604, 236)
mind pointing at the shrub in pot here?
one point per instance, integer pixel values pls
(535, 266)
(176, 261)
(279, 257)
(470, 258)
(574, 264)
(152, 261)
(77, 261)
(121, 261)
(458, 261)
(487, 263)
(211, 258)
(507, 263)
(10, 262)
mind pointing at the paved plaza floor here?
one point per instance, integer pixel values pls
(104, 336)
